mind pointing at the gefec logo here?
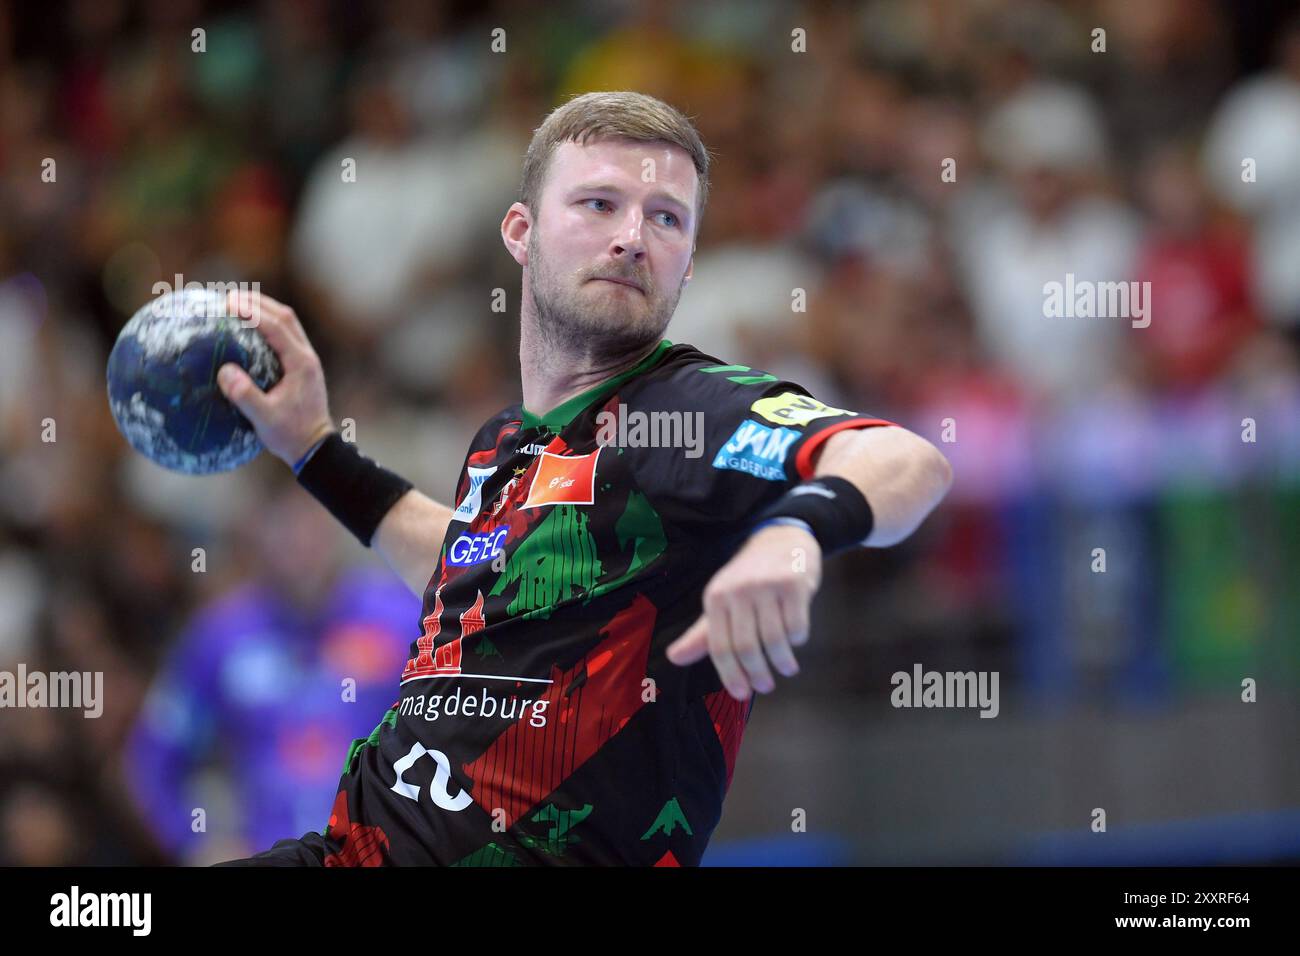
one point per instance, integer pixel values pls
(476, 548)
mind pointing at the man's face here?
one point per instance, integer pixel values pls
(608, 253)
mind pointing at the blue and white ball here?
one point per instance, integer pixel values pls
(162, 382)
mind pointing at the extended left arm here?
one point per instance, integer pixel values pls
(756, 608)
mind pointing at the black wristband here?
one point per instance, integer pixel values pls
(833, 508)
(352, 488)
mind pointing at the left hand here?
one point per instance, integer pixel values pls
(757, 604)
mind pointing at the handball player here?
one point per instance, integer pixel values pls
(599, 606)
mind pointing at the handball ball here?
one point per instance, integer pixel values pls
(162, 382)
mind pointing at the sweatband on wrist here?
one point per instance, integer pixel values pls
(832, 508)
(297, 465)
(352, 488)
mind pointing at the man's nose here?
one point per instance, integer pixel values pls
(628, 244)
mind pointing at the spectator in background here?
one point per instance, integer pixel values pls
(739, 303)
(1164, 67)
(268, 682)
(1197, 262)
(304, 82)
(1049, 139)
(386, 221)
(643, 51)
(1252, 160)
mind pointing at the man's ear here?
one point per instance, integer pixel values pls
(515, 228)
(690, 268)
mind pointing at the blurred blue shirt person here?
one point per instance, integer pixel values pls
(269, 683)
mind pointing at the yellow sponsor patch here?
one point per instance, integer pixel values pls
(791, 408)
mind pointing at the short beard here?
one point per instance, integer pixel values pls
(572, 327)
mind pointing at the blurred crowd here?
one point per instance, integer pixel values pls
(919, 171)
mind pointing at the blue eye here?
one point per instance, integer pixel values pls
(671, 216)
(606, 201)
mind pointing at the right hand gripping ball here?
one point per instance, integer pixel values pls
(162, 382)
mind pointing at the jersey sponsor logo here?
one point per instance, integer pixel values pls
(484, 705)
(791, 408)
(563, 480)
(533, 448)
(757, 450)
(468, 509)
(476, 548)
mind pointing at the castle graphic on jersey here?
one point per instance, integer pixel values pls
(442, 660)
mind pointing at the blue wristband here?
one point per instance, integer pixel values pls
(784, 519)
(301, 462)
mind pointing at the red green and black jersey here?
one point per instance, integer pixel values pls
(538, 720)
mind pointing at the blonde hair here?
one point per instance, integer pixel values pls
(626, 115)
